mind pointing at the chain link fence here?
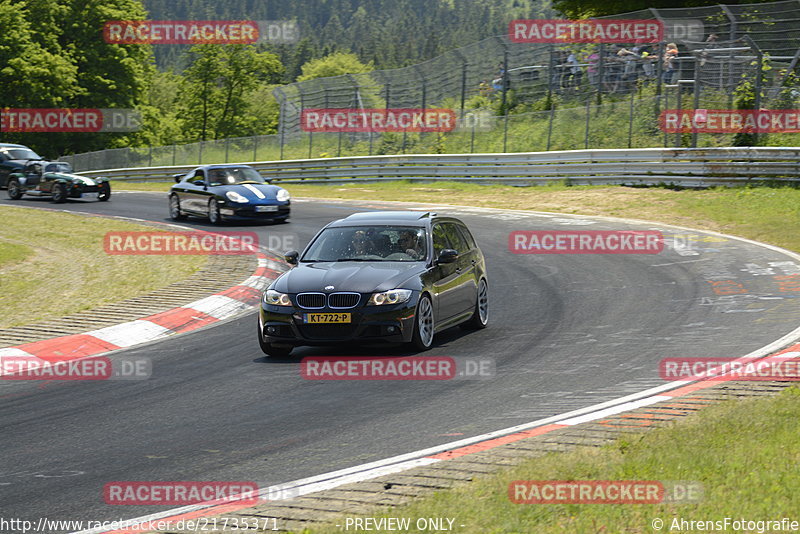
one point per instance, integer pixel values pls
(560, 97)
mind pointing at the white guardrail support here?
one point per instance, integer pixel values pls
(687, 167)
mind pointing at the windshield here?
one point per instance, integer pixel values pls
(21, 153)
(58, 167)
(369, 243)
(234, 175)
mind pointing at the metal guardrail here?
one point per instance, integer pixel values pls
(689, 167)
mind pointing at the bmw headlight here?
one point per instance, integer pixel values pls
(395, 296)
(276, 298)
(282, 195)
(233, 196)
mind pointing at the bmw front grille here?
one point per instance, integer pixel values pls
(338, 301)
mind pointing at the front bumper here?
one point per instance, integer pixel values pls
(81, 190)
(249, 212)
(285, 325)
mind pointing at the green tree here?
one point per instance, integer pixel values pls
(52, 55)
(335, 64)
(216, 89)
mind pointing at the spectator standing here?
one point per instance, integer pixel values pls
(592, 59)
(669, 62)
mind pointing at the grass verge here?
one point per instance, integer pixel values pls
(53, 264)
(741, 452)
(768, 214)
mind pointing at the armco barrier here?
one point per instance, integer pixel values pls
(688, 167)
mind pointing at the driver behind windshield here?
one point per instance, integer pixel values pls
(361, 244)
(221, 177)
(409, 244)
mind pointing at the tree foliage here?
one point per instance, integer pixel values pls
(53, 55)
(334, 64)
(215, 90)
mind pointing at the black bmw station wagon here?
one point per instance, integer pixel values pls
(394, 276)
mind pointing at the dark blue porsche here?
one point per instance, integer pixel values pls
(227, 193)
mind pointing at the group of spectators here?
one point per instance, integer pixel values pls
(618, 69)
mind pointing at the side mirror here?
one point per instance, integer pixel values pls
(291, 257)
(178, 177)
(199, 182)
(447, 255)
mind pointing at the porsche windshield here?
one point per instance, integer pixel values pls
(21, 153)
(234, 175)
(369, 243)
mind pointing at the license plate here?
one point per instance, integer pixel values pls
(262, 209)
(320, 318)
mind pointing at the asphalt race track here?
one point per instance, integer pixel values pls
(566, 331)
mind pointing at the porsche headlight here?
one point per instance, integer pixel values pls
(276, 298)
(395, 296)
(233, 196)
(282, 195)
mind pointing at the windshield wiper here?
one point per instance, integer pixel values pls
(355, 259)
(249, 182)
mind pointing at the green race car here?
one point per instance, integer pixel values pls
(50, 179)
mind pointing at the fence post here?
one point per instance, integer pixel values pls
(586, 131)
(505, 133)
(601, 74)
(696, 105)
(463, 86)
(310, 142)
(472, 138)
(200, 157)
(174, 150)
(550, 75)
(150, 157)
(630, 119)
(504, 78)
(679, 107)
(339, 149)
(255, 148)
(282, 127)
(227, 147)
(759, 80)
(666, 107)
(734, 22)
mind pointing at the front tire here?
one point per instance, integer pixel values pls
(270, 350)
(59, 193)
(14, 190)
(175, 212)
(213, 212)
(105, 192)
(480, 317)
(422, 339)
